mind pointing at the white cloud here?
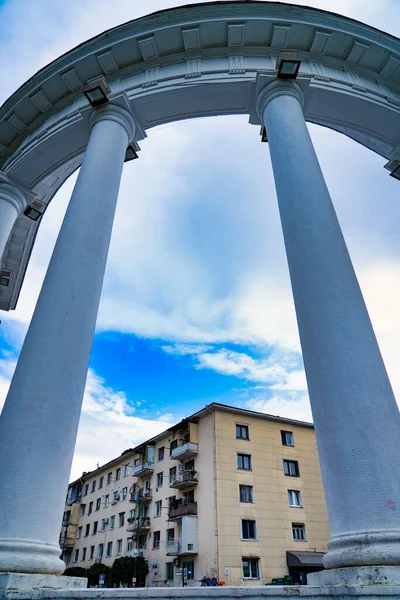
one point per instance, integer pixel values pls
(296, 406)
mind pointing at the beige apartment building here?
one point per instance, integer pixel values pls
(227, 492)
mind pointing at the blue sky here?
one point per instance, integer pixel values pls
(196, 304)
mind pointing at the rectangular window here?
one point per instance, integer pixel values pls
(109, 478)
(126, 470)
(100, 551)
(294, 498)
(109, 548)
(98, 503)
(124, 493)
(142, 541)
(91, 552)
(121, 519)
(137, 462)
(250, 568)
(159, 479)
(83, 508)
(112, 522)
(169, 574)
(246, 493)
(157, 508)
(161, 453)
(249, 529)
(119, 546)
(103, 524)
(76, 555)
(172, 446)
(85, 493)
(242, 432)
(117, 474)
(189, 566)
(93, 486)
(299, 532)
(244, 462)
(87, 529)
(291, 468)
(172, 475)
(101, 482)
(106, 500)
(79, 533)
(83, 554)
(129, 545)
(95, 523)
(90, 508)
(287, 438)
(156, 539)
(170, 536)
(132, 513)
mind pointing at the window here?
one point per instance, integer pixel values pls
(101, 482)
(137, 462)
(159, 479)
(291, 468)
(86, 491)
(172, 446)
(91, 552)
(79, 533)
(157, 508)
(109, 478)
(112, 522)
(90, 508)
(249, 529)
(76, 555)
(287, 438)
(170, 536)
(189, 566)
(142, 541)
(244, 462)
(172, 475)
(129, 545)
(132, 513)
(117, 474)
(169, 574)
(106, 500)
(294, 498)
(189, 496)
(119, 546)
(299, 532)
(156, 539)
(93, 486)
(246, 493)
(126, 470)
(100, 551)
(121, 519)
(87, 530)
(161, 453)
(98, 503)
(242, 432)
(250, 568)
(83, 554)
(109, 549)
(94, 527)
(124, 493)
(116, 497)
(103, 524)
(83, 508)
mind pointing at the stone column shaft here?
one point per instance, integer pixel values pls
(40, 418)
(355, 413)
(12, 203)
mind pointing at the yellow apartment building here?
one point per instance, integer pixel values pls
(226, 493)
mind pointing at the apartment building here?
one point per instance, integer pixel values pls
(226, 492)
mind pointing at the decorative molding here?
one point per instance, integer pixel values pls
(71, 80)
(193, 68)
(236, 65)
(320, 41)
(16, 123)
(236, 34)
(151, 77)
(148, 48)
(107, 62)
(41, 101)
(279, 35)
(357, 51)
(191, 39)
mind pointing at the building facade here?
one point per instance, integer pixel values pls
(226, 493)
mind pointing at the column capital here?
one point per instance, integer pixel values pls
(14, 196)
(116, 113)
(274, 89)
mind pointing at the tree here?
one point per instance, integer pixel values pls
(127, 567)
(76, 572)
(99, 569)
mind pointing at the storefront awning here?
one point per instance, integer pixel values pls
(304, 559)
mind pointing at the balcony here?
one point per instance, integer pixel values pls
(185, 451)
(67, 541)
(183, 480)
(182, 510)
(72, 498)
(138, 525)
(144, 496)
(176, 548)
(141, 552)
(145, 468)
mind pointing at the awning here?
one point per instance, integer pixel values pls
(304, 559)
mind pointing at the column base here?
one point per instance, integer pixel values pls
(27, 556)
(362, 549)
(357, 576)
(29, 583)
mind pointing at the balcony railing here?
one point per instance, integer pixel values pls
(176, 548)
(182, 510)
(67, 541)
(136, 552)
(143, 496)
(185, 451)
(143, 469)
(72, 498)
(138, 525)
(183, 479)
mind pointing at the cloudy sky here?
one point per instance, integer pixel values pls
(196, 304)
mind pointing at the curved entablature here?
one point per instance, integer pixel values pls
(197, 60)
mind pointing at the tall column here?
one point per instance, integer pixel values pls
(12, 203)
(355, 413)
(40, 418)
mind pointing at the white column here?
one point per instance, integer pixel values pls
(12, 203)
(40, 418)
(355, 413)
